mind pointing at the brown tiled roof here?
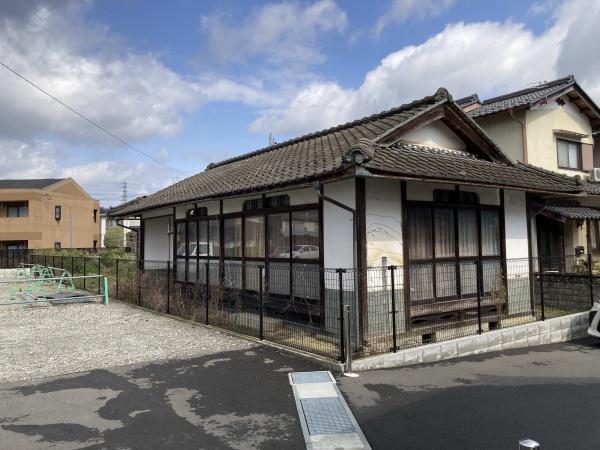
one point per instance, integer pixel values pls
(418, 161)
(305, 158)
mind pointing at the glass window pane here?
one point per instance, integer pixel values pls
(467, 232)
(254, 239)
(444, 233)
(180, 239)
(202, 246)
(563, 154)
(573, 155)
(214, 237)
(490, 233)
(233, 237)
(419, 229)
(445, 280)
(279, 235)
(23, 211)
(421, 282)
(192, 239)
(305, 235)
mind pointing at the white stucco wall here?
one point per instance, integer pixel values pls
(515, 224)
(435, 134)
(156, 239)
(383, 222)
(541, 141)
(338, 225)
(506, 132)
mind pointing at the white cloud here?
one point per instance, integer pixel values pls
(133, 95)
(486, 57)
(283, 33)
(402, 10)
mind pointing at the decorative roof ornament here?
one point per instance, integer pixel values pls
(360, 152)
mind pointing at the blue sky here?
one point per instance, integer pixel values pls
(193, 82)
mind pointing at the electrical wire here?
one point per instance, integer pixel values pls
(100, 127)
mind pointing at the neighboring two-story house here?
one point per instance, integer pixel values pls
(127, 227)
(47, 213)
(551, 126)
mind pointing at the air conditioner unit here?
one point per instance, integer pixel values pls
(595, 174)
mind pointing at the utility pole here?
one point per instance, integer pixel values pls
(124, 187)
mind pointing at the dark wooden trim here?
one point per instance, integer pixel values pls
(391, 136)
(221, 244)
(321, 259)
(141, 240)
(530, 255)
(432, 249)
(465, 130)
(405, 255)
(502, 224)
(360, 192)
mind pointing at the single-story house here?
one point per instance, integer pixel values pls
(420, 186)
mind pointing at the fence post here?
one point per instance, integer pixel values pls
(207, 295)
(139, 282)
(260, 296)
(542, 293)
(168, 286)
(591, 274)
(72, 266)
(117, 278)
(105, 283)
(394, 331)
(99, 270)
(479, 289)
(341, 318)
(84, 271)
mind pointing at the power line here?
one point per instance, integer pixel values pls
(100, 127)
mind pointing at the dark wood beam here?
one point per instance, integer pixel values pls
(361, 255)
(394, 134)
(465, 131)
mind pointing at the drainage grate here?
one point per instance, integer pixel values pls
(326, 416)
(311, 377)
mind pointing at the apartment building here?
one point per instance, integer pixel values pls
(47, 213)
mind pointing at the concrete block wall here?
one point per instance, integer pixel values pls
(558, 329)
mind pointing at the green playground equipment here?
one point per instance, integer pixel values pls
(38, 284)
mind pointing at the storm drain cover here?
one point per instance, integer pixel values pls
(311, 377)
(326, 416)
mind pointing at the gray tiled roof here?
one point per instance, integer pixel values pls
(592, 187)
(320, 155)
(417, 161)
(524, 97)
(41, 183)
(306, 158)
(573, 211)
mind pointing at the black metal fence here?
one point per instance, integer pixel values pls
(404, 307)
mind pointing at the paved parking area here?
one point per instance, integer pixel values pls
(237, 400)
(548, 393)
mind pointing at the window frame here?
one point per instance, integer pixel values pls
(579, 154)
(18, 206)
(57, 212)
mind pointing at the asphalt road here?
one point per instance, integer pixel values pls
(550, 394)
(242, 400)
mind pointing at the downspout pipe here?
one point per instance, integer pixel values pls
(523, 135)
(317, 188)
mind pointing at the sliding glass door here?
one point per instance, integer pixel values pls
(447, 244)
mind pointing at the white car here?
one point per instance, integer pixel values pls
(594, 329)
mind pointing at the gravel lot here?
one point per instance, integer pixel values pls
(44, 341)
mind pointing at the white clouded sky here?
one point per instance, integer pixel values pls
(190, 87)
